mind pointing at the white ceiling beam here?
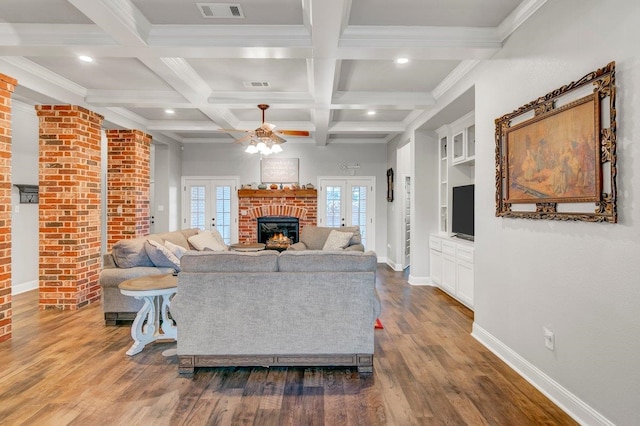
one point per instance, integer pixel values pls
(328, 19)
(518, 17)
(138, 98)
(118, 18)
(230, 35)
(367, 127)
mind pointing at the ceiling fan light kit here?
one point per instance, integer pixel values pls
(264, 140)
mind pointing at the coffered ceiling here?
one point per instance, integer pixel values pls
(320, 64)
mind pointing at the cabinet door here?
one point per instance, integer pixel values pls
(435, 260)
(464, 283)
(449, 273)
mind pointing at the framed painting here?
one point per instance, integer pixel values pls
(556, 156)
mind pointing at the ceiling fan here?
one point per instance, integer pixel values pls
(265, 139)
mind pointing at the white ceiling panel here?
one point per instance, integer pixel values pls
(387, 76)
(256, 12)
(104, 73)
(178, 114)
(283, 75)
(452, 13)
(361, 115)
(41, 12)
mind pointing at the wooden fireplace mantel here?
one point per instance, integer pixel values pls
(277, 193)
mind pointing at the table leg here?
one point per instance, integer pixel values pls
(144, 332)
(169, 329)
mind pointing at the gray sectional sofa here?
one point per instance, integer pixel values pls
(129, 259)
(295, 308)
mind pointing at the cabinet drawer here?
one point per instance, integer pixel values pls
(435, 243)
(465, 253)
(448, 248)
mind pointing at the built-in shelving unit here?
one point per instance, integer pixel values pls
(451, 259)
(443, 177)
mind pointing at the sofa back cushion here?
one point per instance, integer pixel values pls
(131, 253)
(314, 237)
(325, 261)
(230, 261)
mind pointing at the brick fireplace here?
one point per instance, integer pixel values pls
(255, 203)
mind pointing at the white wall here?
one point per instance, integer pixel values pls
(167, 174)
(230, 160)
(24, 220)
(578, 279)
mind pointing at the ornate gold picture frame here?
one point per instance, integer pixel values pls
(556, 156)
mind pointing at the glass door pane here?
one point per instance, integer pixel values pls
(334, 206)
(223, 212)
(358, 212)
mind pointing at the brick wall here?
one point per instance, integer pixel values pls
(128, 178)
(69, 175)
(252, 205)
(7, 86)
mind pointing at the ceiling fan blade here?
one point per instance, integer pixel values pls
(234, 130)
(277, 139)
(293, 132)
(243, 139)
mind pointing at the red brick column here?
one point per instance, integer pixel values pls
(7, 85)
(69, 175)
(128, 179)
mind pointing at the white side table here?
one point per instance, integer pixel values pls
(156, 291)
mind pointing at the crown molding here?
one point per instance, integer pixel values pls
(454, 77)
(518, 17)
(44, 75)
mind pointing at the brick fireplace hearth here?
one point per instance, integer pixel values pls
(255, 203)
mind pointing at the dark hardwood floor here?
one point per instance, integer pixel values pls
(67, 368)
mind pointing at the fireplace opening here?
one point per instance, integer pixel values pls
(277, 227)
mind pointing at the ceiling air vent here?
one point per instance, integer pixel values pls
(220, 10)
(256, 83)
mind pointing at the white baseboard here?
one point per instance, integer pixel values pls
(395, 266)
(413, 280)
(570, 403)
(24, 287)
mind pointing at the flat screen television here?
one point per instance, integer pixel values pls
(462, 212)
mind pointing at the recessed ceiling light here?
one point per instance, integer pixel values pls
(85, 58)
(401, 61)
(371, 112)
(169, 111)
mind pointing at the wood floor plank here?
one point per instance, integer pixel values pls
(68, 368)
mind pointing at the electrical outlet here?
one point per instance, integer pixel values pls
(549, 339)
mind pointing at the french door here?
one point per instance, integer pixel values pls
(210, 203)
(348, 202)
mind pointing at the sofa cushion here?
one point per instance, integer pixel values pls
(325, 261)
(337, 240)
(230, 261)
(177, 250)
(161, 256)
(131, 253)
(208, 239)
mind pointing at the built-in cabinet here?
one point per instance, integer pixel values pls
(452, 267)
(456, 165)
(451, 259)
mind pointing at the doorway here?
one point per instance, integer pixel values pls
(211, 202)
(348, 202)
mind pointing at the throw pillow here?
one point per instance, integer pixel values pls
(177, 250)
(206, 240)
(217, 236)
(161, 256)
(337, 240)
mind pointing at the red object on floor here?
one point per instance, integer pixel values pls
(378, 324)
